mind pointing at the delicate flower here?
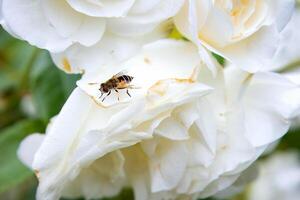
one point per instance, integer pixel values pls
(183, 133)
(245, 32)
(279, 178)
(56, 25)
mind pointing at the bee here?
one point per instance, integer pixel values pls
(117, 82)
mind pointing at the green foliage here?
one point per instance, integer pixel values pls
(291, 140)
(12, 171)
(50, 87)
(25, 71)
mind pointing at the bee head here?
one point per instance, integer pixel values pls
(104, 88)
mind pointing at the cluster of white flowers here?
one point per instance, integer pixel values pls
(190, 127)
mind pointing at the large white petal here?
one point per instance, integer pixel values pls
(52, 25)
(82, 133)
(283, 11)
(32, 26)
(217, 21)
(266, 99)
(110, 50)
(102, 8)
(137, 24)
(73, 25)
(142, 6)
(29, 147)
(167, 165)
(254, 52)
(104, 178)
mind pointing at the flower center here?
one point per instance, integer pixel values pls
(245, 15)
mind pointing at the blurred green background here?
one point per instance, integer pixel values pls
(32, 90)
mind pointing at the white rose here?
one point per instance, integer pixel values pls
(279, 178)
(183, 133)
(245, 32)
(56, 25)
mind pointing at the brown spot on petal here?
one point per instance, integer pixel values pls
(161, 86)
(66, 65)
(147, 61)
(178, 80)
(224, 147)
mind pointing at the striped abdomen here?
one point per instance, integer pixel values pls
(125, 78)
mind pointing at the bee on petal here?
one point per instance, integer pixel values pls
(117, 82)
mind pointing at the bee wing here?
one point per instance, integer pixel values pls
(121, 73)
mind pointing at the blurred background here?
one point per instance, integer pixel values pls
(33, 90)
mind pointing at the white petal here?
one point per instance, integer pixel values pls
(264, 128)
(92, 132)
(218, 185)
(217, 21)
(283, 11)
(266, 101)
(138, 24)
(142, 6)
(255, 52)
(207, 126)
(172, 129)
(104, 178)
(200, 154)
(102, 8)
(32, 26)
(29, 147)
(110, 50)
(276, 113)
(71, 24)
(189, 21)
(168, 166)
(62, 17)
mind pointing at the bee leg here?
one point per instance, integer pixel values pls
(128, 93)
(106, 96)
(101, 95)
(118, 94)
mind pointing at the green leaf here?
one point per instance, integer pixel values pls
(219, 58)
(290, 140)
(12, 171)
(15, 55)
(50, 86)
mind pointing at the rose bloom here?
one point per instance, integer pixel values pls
(246, 32)
(183, 133)
(279, 178)
(113, 30)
